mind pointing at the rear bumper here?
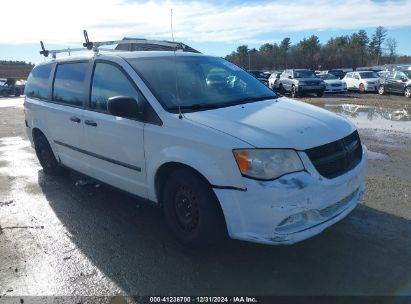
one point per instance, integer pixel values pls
(292, 208)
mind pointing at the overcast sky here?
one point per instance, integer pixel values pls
(213, 27)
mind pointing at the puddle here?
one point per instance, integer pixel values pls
(374, 117)
(377, 156)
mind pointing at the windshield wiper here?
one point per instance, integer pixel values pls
(207, 106)
(252, 99)
(196, 106)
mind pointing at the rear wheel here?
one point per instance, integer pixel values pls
(361, 88)
(192, 210)
(407, 92)
(46, 157)
(320, 94)
(381, 90)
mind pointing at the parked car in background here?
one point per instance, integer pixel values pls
(260, 75)
(337, 72)
(333, 83)
(363, 81)
(383, 74)
(299, 82)
(396, 82)
(11, 86)
(274, 81)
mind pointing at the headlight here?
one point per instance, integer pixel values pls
(267, 164)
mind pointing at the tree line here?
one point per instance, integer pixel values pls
(346, 51)
(16, 62)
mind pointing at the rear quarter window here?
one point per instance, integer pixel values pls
(37, 85)
(69, 83)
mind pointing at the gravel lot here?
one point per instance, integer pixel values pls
(60, 237)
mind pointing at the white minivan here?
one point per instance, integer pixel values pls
(364, 81)
(220, 157)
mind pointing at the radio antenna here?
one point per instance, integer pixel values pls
(171, 20)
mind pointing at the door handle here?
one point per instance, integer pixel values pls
(75, 119)
(90, 123)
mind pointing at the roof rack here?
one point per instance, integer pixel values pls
(46, 53)
(96, 46)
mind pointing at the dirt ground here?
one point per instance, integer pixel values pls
(60, 236)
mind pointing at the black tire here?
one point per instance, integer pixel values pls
(17, 92)
(381, 90)
(361, 88)
(407, 92)
(191, 210)
(294, 92)
(46, 157)
(320, 94)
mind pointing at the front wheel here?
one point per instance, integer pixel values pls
(191, 209)
(381, 90)
(46, 157)
(320, 94)
(407, 92)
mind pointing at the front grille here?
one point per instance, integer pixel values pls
(336, 85)
(338, 157)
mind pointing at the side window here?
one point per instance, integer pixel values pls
(37, 85)
(68, 86)
(399, 75)
(109, 81)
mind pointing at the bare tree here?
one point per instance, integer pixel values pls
(391, 45)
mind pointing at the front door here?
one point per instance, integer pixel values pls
(115, 145)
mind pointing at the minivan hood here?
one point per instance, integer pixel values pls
(280, 123)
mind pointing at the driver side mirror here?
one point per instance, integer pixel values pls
(404, 79)
(123, 106)
(357, 77)
(290, 77)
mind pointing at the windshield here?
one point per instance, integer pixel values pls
(304, 74)
(369, 75)
(328, 76)
(198, 82)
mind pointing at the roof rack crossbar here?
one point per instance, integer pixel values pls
(46, 53)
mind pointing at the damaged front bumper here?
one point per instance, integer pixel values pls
(292, 208)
